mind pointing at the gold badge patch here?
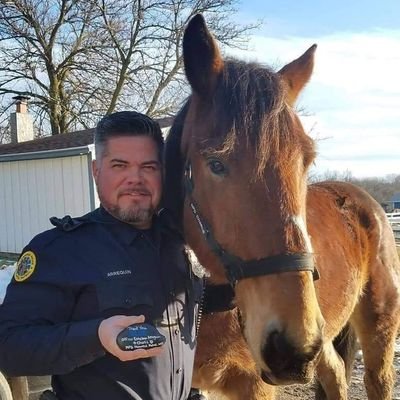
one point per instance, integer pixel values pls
(25, 266)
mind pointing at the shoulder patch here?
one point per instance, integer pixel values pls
(25, 266)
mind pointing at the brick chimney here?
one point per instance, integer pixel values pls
(21, 124)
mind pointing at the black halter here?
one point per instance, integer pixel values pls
(236, 268)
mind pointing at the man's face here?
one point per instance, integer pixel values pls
(128, 179)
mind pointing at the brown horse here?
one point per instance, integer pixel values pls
(237, 160)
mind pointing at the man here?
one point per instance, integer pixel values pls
(77, 286)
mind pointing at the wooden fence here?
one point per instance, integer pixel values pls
(394, 219)
(396, 231)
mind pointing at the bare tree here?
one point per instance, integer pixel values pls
(146, 38)
(380, 188)
(5, 135)
(331, 175)
(79, 59)
(43, 42)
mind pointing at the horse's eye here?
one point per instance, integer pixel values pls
(217, 167)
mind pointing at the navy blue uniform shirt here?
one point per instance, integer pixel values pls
(72, 277)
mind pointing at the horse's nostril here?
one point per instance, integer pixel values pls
(282, 357)
(277, 350)
(278, 342)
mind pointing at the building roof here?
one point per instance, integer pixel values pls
(63, 141)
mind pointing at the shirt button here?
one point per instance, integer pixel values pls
(176, 331)
(179, 371)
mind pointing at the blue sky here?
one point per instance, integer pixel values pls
(353, 99)
(306, 17)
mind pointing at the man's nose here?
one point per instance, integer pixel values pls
(134, 175)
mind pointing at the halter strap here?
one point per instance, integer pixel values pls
(237, 269)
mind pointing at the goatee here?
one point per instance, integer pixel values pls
(138, 216)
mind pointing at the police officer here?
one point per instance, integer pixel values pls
(78, 285)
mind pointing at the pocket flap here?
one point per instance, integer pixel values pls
(122, 295)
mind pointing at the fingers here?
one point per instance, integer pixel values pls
(125, 320)
(110, 328)
(138, 354)
(116, 323)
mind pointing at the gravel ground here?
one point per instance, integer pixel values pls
(356, 390)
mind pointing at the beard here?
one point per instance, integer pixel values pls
(133, 214)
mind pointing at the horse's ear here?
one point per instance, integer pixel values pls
(297, 73)
(201, 56)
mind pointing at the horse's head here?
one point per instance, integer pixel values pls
(246, 157)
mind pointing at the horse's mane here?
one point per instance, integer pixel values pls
(250, 107)
(173, 194)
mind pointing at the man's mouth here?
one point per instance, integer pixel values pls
(136, 193)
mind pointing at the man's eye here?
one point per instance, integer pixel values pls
(217, 167)
(118, 166)
(150, 168)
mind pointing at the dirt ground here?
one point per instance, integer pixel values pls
(356, 389)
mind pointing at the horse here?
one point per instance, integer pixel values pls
(306, 262)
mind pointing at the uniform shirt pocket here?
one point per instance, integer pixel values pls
(121, 297)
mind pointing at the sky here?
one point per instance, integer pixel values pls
(352, 102)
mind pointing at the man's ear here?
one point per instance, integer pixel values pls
(95, 169)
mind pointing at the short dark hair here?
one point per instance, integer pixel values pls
(127, 123)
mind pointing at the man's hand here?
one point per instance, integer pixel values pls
(109, 330)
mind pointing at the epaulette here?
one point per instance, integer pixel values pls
(68, 223)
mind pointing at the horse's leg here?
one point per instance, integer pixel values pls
(346, 346)
(248, 387)
(241, 385)
(377, 324)
(233, 383)
(223, 363)
(331, 375)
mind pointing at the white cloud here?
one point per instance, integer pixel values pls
(353, 97)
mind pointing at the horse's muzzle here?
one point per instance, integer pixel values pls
(289, 378)
(287, 364)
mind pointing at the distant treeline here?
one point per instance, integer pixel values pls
(381, 189)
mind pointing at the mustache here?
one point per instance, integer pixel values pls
(140, 191)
